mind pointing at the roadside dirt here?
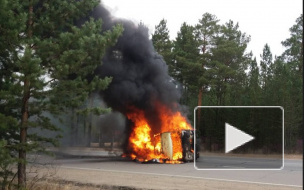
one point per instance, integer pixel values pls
(286, 156)
(92, 180)
(294, 156)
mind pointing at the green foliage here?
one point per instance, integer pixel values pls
(266, 64)
(45, 61)
(94, 110)
(293, 54)
(213, 57)
(162, 43)
(254, 84)
(228, 63)
(206, 31)
(186, 55)
(6, 164)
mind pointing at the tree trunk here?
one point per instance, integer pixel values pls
(23, 135)
(200, 91)
(112, 140)
(76, 131)
(301, 61)
(25, 114)
(89, 139)
(73, 137)
(200, 94)
(100, 137)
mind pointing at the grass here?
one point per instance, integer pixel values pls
(70, 185)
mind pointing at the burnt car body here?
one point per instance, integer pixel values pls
(189, 146)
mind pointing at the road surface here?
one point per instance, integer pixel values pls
(225, 162)
(130, 173)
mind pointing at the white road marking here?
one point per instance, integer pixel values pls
(181, 176)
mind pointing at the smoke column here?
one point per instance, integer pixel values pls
(140, 75)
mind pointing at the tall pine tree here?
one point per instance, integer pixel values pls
(49, 59)
(205, 32)
(293, 59)
(266, 65)
(186, 55)
(162, 43)
(228, 62)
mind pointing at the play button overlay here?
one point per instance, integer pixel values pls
(235, 138)
(239, 137)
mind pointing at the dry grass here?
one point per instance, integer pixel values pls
(70, 185)
(59, 184)
(67, 185)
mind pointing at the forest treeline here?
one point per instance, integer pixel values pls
(212, 65)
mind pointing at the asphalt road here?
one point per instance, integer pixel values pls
(237, 162)
(291, 175)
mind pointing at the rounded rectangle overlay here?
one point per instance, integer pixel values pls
(239, 137)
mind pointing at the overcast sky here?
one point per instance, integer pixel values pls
(266, 21)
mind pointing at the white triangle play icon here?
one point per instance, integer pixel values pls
(235, 138)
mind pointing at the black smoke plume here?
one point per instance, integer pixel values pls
(140, 75)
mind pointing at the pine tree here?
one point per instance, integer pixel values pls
(162, 43)
(254, 83)
(205, 32)
(226, 73)
(49, 60)
(9, 27)
(228, 62)
(293, 55)
(266, 65)
(293, 67)
(186, 56)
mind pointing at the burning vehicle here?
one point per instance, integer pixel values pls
(187, 141)
(188, 145)
(171, 142)
(143, 91)
(165, 152)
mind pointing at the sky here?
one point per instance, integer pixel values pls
(266, 21)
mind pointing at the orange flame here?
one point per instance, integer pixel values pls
(146, 146)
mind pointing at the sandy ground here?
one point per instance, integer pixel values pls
(67, 179)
